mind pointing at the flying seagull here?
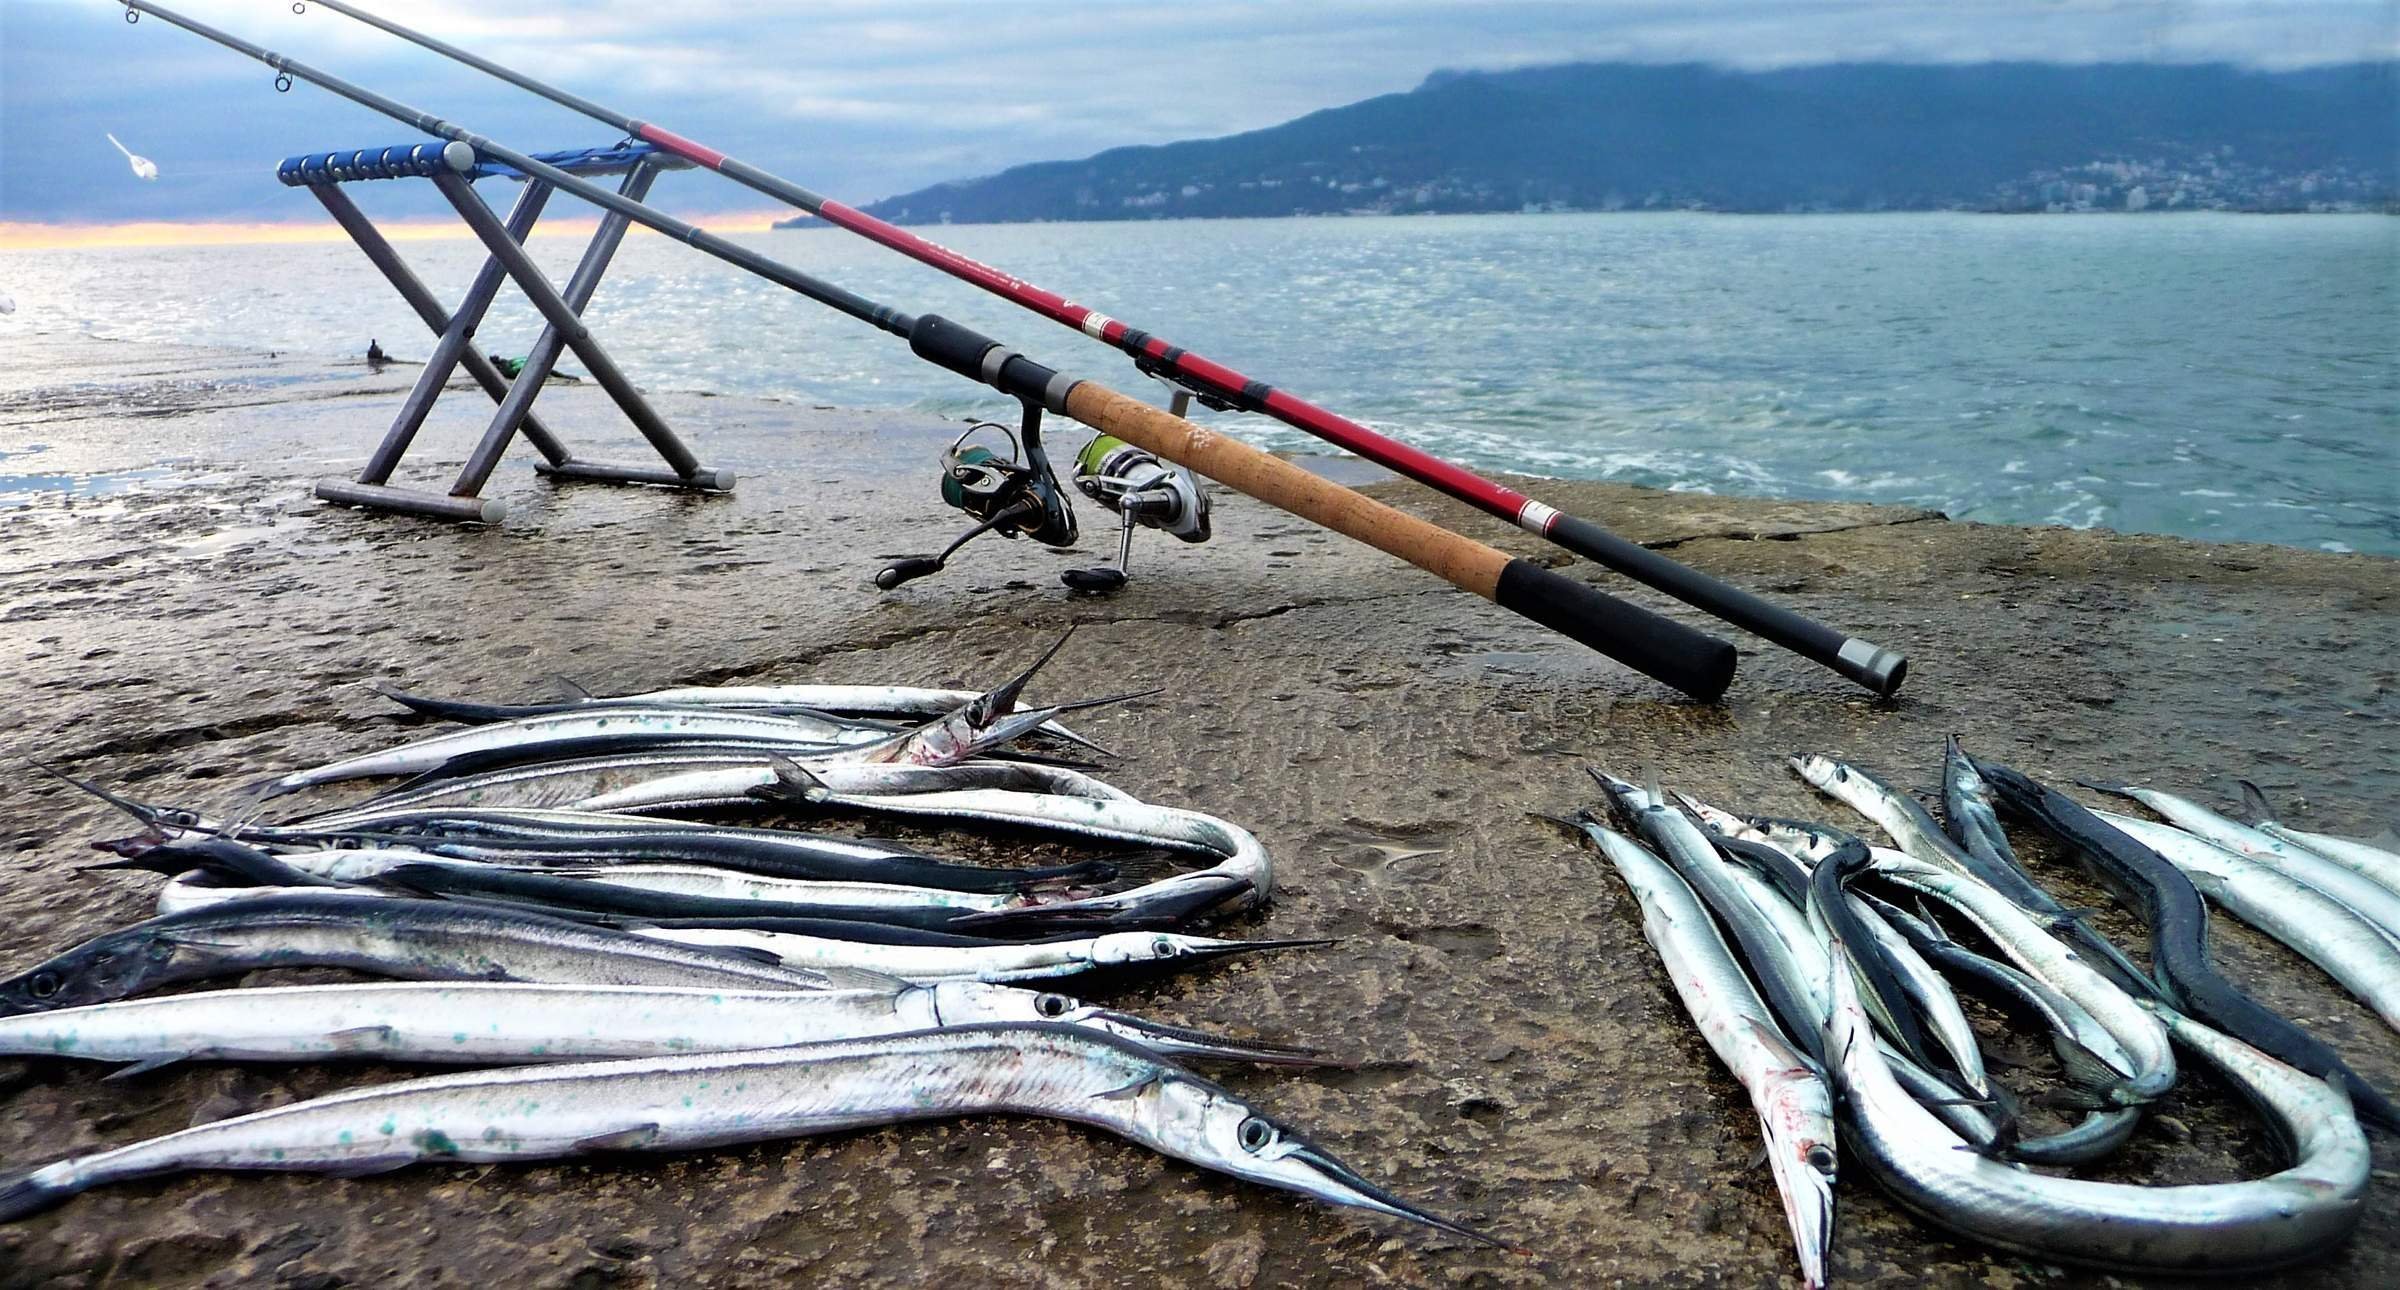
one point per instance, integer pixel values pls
(143, 167)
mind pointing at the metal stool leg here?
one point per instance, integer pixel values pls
(456, 339)
(544, 355)
(429, 309)
(536, 285)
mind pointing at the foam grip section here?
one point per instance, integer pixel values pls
(1692, 661)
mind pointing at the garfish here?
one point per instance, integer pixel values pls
(1793, 1102)
(1905, 993)
(2169, 903)
(161, 854)
(2088, 1055)
(1967, 808)
(936, 957)
(1805, 967)
(1242, 876)
(2371, 900)
(680, 779)
(831, 699)
(2364, 859)
(408, 939)
(368, 864)
(563, 734)
(985, 721)
(1881, 982)
(2133, 1030)
(1912, 827)
(2328, 933)
(467, 878)
(1696, 864)
(490, 1023)
(1781, 977)
(2223, 1228)
(2091, 1056)
(199, 889)
(1982, 843)
(1695, 859)
(717, 1099)
(774, 853)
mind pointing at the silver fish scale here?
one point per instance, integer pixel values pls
(656, 1104)
(494, 948)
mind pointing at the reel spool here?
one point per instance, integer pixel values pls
(1142, 490)
(1016, 494)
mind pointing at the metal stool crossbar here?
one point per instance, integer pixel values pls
(453, 168)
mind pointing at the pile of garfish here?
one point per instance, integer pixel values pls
(1820, 969)
(632, 981)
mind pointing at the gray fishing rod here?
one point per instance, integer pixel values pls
(1871, 665)
(1692, 661)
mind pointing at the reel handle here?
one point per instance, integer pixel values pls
(911, 568)
(906, 570)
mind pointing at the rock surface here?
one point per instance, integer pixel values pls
(178, 618)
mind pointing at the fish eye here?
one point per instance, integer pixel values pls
(161, 950)
(43, 984)
(1053, 1005)
(1255, 1134)
(1163, 947)
(1820, 1157)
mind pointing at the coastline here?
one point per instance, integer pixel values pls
(1384, 735)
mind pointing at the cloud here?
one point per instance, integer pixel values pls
(861, 98)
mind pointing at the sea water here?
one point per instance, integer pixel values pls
(2218, 376)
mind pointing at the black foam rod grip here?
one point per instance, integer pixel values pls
(1865, 662)
(1692, 661)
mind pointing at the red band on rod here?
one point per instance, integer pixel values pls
(699, 154)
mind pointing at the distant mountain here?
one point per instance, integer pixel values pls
(1997, 136)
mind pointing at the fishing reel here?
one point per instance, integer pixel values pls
(1018, 495)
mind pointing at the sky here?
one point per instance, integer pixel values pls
(861, 99)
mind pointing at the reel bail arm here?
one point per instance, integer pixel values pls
(1012, 497)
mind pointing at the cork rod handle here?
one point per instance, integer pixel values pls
(1691, 661)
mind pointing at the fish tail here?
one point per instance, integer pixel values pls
(2084, 1068)
(27, 1192)
(2254, 803)
(793, 783)
(2369, 1103)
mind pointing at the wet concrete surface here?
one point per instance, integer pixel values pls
(177, 616)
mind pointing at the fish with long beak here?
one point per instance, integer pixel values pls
(1793, 1101)
(711, 1100)
(491, 1023)
(871, 701)
(221, 856)
(989, 720)
(1241, 877)
(580, 733)
(424, 940)
(921, 955)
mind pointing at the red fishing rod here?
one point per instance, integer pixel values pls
(1221, 387)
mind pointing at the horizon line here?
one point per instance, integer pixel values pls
(69, 235)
